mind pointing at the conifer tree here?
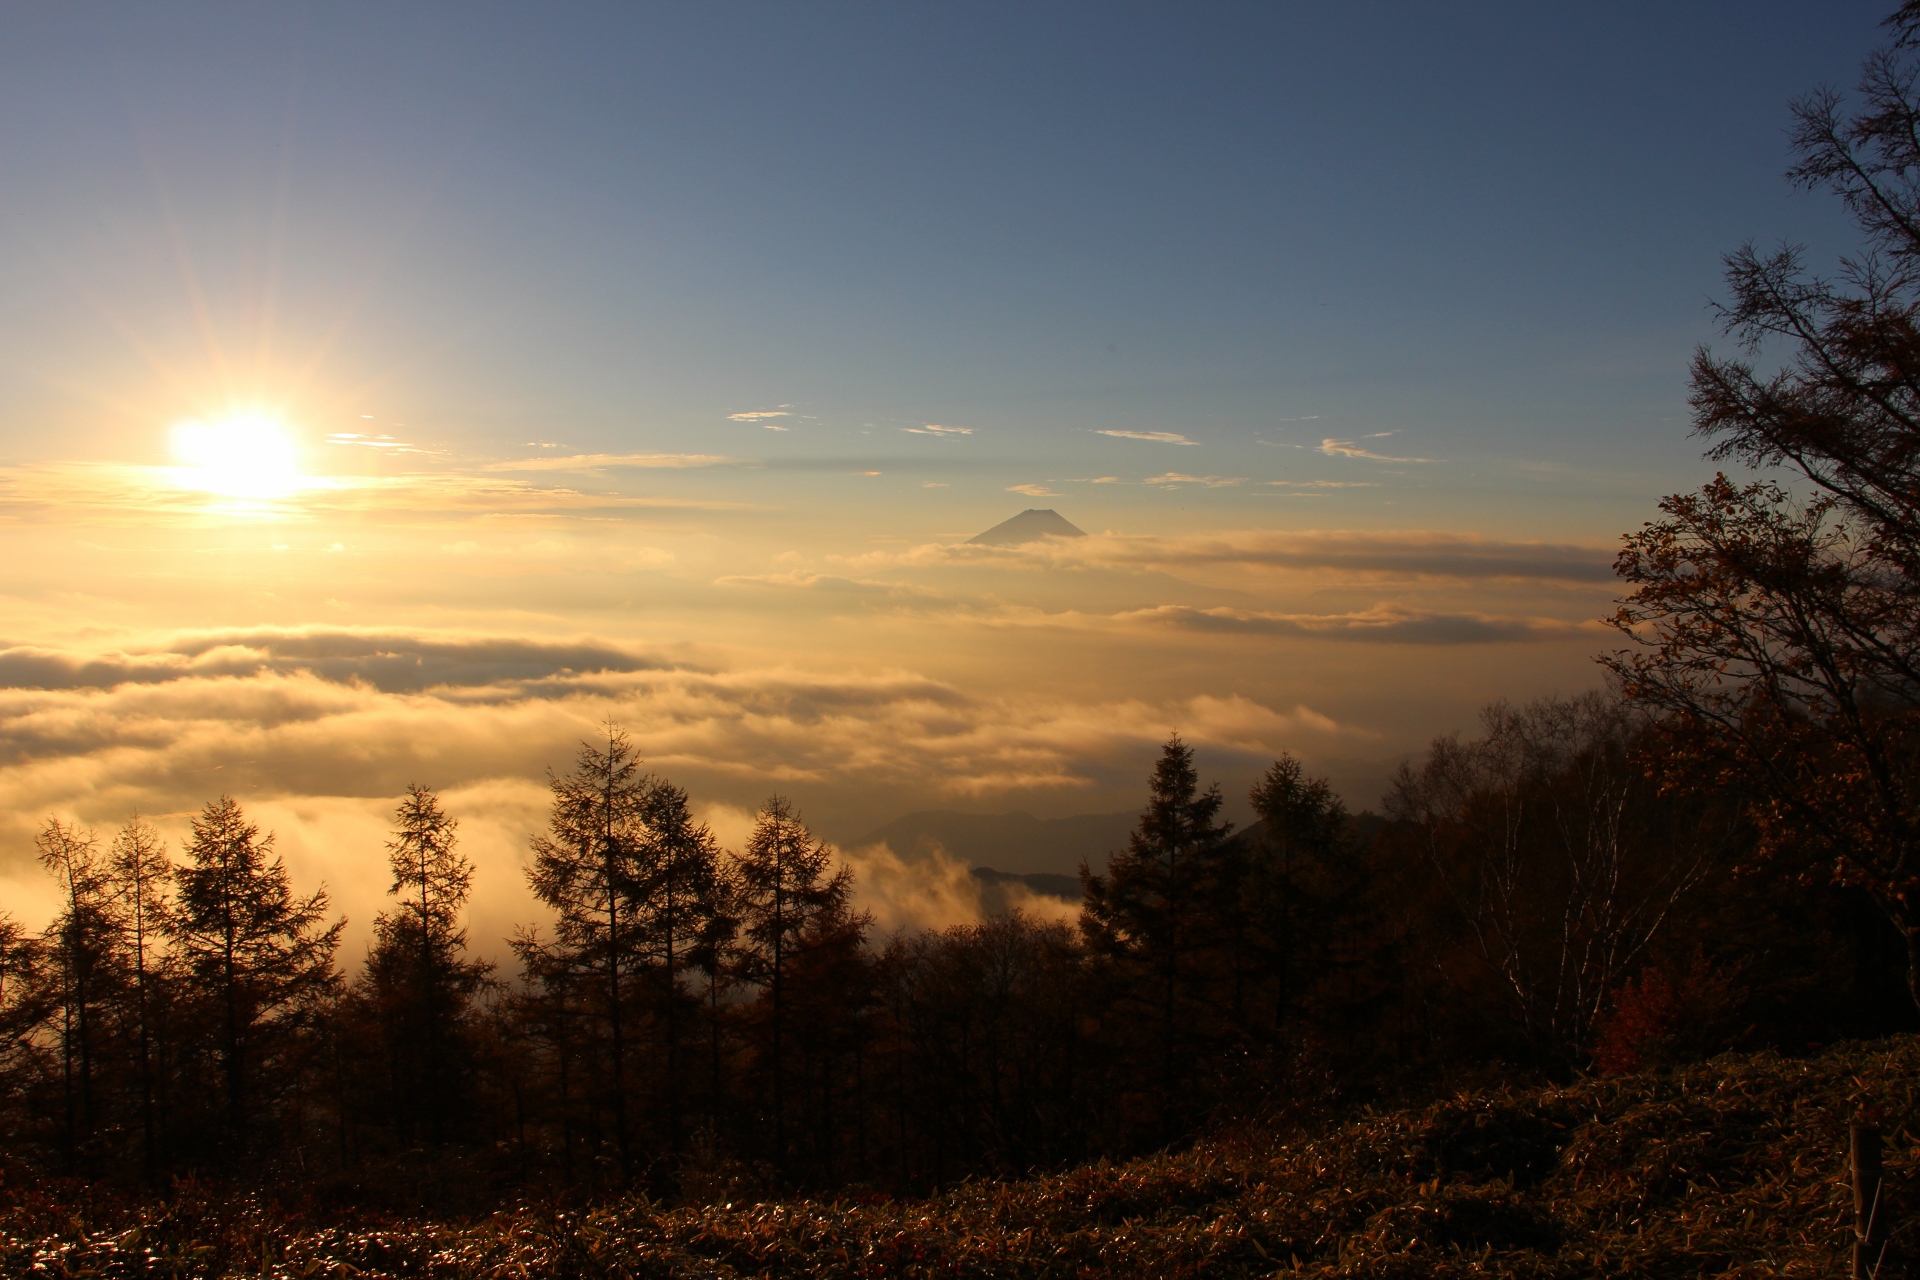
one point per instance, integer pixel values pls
(141, 874)
(258, 956)
(1154, 908)
(716, 955)
(786, 887)
(24, 1009)
(419, 978)
(680, 892)
(1301, 876)
(83, 954)
(588, 867)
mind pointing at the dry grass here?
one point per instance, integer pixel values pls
(1734, 1167)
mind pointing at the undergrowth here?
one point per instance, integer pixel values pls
(1735, 1167)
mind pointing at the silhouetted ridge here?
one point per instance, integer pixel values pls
(1030, 525)
(1013, 843)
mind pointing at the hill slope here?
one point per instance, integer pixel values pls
(1734, 1167)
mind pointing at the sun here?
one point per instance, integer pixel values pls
(244, 455)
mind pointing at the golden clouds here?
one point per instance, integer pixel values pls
(316, 732)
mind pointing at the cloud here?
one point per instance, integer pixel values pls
(1158, 437)
(1379, 626)
(1173, 479)
(1348, 449)
(1034, 490)
(599, 461)
(764, 417)
(318, 732)
(1410, 554)
(935, 891)
(799, 580)
(104, 746)
(934, 429)
(381, 443)
(392, 662)
(146, 497)
(1323, 484)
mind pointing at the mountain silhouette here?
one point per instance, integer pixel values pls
(1015, 844)
(1030, 525)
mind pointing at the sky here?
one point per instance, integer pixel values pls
(400, 393)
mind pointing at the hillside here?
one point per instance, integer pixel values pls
(1734, 1167)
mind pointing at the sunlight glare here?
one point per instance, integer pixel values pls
(246, 455)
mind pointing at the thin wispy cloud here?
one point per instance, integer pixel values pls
(380, 443)
(1323, 484)
(1383, 625)
(605, 461)
(763, 417)
(1350, 449)
(1157, 437)
(1174, 479)
(935, 429)
(1034, 490)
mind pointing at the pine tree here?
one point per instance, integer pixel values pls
(419, 979)
(258, 956)
(588, 868)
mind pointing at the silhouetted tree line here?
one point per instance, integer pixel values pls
(702, 1021)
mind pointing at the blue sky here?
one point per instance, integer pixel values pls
(1309, 313)
(1493, 229)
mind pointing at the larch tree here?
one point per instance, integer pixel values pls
(142, 874)
(680, 891)
(25, 1002)
(1776, 620)
(419, 977)
(716, 955)
(84, 952)
(257, 955)
(787, 886)
(589, 868)
(1296, 877)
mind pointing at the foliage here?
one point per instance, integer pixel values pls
(1778, 620)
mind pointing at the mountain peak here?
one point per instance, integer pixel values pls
(1030, 525)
